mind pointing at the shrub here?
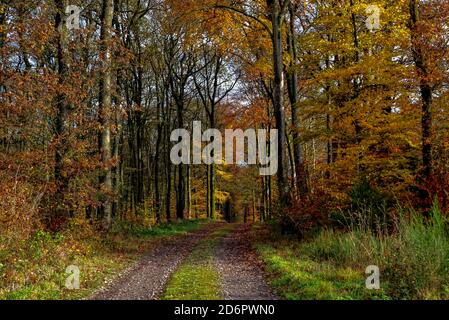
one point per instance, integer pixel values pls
(308, 213)
(369, 209)
(18, 212)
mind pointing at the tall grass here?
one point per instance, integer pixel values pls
(413, 258)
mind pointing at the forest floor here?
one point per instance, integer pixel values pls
(214, 262)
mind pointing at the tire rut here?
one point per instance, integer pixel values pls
(242, 276)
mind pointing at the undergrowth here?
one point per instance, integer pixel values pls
(34, 268)
(413, 260)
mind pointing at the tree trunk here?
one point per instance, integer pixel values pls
(254, 205)
(61, 179)
(181, 189)
(116, 170)
(278, 97)
(292, 80)
(157, 194)
(425, 90)
(208, 192)
(212, 171)
(189, 193)
(212, 191)
(167, 175)
(105, 107)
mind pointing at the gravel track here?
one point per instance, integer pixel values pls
(242, 276)
(147, 278)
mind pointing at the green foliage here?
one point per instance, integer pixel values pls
(46, 290)
(413, 261)
(165, 229)
(417, 263)
(44, 242)
(363, 195)
(297, 277)
(369, 209)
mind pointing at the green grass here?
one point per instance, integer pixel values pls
(297, 277)
(35, 268)
(197, 278)
(413, 261)
(168, 229)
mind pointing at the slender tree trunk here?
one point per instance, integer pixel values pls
(105, 106)
(116, 169)
(292, 81)
(425, 90)
(167, 175)
(254, 205)
(212, 171)
(181, 190)
(208, 192)
(189, 192)
(270, 197)
(61, 179)
(264, 203)
(291, 159)
(156, 174)
(268, 185)
(140, 172)
(212, 191)
(278, 97)
(117, 151)
(356, 87)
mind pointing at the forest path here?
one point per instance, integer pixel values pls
(241, 273)
(146, 279)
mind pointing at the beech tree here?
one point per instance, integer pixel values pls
(87, 113)
(104, 111)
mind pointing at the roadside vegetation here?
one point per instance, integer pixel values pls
(412, 255)
(34, 268)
